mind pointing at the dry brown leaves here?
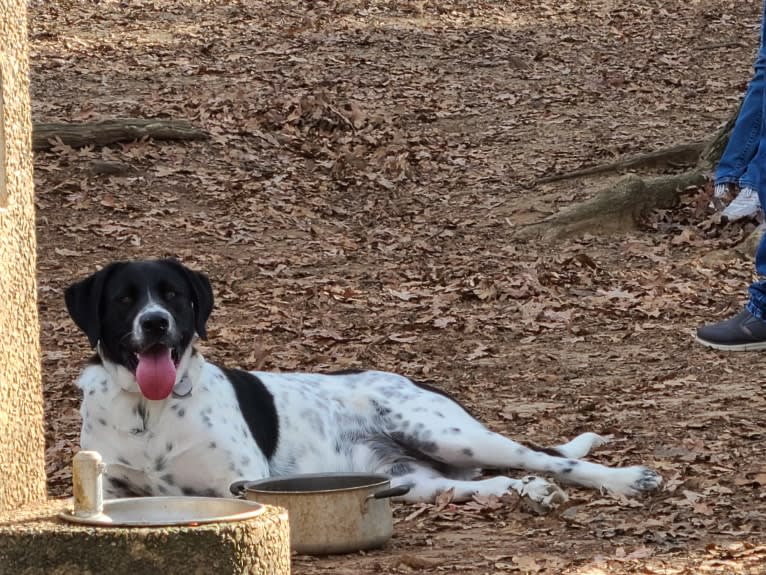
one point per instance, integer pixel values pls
(355, 205)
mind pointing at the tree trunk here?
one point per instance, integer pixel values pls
(714, 150)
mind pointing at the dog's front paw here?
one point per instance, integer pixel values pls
(634, 480)
(541, 496)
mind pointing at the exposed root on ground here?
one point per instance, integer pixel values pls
(46, 135)
(624, 205)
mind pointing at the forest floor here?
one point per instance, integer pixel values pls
(356, 204)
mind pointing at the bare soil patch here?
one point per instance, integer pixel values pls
(356, 205)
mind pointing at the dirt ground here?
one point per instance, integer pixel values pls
(369, 162)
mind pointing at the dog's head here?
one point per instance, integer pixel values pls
(143, 316)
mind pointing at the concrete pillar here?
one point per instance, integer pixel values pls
(22, 442)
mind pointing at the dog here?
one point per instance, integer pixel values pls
(168, 422)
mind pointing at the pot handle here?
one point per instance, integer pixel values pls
(397, 491)
(238, 488)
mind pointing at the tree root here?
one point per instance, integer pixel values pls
(748, 246)
(675, 156)
(622, 206)
(615, 209)
(45, 136)
(744, 250)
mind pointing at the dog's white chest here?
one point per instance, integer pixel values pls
(180, 446)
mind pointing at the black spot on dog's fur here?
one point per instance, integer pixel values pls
(468, 452)
(350, 371)
(119, 484)
(168, 478)
(380, 409)
(257, 407)
(189, 491)
(547, 450)
(127, 489)
(401, 468)
(411, 441)
(572, 463)
(140, 411)
(437, 391)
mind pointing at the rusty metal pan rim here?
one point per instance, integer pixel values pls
(373, 480)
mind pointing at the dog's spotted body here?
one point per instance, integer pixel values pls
(167, 422)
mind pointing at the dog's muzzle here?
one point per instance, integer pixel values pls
(156, 358)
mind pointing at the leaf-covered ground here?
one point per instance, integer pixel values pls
(355, 206)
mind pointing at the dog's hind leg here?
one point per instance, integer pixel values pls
(479, 447)
(441, 430)
(426, 483)
(467, 443)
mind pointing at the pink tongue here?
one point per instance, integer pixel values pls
(156, 373)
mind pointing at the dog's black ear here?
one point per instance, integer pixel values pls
(83, 301)
(202, 296)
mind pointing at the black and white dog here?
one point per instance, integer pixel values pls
(167, 422)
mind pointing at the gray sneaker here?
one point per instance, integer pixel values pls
(743, 332)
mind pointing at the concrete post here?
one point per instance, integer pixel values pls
(22, 442)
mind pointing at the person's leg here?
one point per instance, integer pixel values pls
(757, 304)
(737, 165)
(746, 331)
(743, 141)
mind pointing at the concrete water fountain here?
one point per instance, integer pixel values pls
(91, 509)
(142, 535)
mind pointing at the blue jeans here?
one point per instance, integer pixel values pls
(744, 160)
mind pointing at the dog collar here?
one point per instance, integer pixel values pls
(183, 388)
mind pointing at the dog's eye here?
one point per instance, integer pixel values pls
(170, 294)
(126, 299)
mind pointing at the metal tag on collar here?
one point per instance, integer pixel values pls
(183, 388)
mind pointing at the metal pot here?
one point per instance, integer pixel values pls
(329, 512)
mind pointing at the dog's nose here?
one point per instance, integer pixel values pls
(155, 323)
